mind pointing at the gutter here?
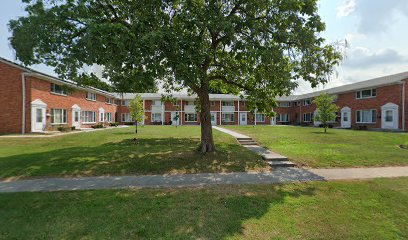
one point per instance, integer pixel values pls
(23, 90)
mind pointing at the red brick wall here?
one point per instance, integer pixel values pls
(11, 99)
(406, 105)
(40, 89)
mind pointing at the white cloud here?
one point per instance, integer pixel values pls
(346, 8)
(361, 57)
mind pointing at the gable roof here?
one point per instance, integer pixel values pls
(35, 73)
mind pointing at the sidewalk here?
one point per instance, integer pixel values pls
(278, 175)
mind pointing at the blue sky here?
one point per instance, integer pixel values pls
(376, 31)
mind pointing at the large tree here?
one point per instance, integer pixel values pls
(256, 48)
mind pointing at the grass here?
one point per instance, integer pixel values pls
(338, 148)
(160, 150)
(375, 209)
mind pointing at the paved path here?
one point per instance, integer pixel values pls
(279, 175)
(360, 173)
(232, 133)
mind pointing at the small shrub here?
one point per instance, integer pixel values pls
(115, 124)
(73, 128)
(97, 126)
(64, 129)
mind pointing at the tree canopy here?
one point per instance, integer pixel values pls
(256, 48)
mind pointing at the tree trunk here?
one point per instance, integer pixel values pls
(136, 127)
(325, 128)
(207, 141)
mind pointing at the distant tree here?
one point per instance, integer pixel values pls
(326, 109)
(136, 109)
(256, 48)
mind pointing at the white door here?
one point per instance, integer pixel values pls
(389, 116)
(38, 119)
(76, 118)
(346, 117)
(214, 119)
(243, 118)
(175, 118)
(273, 121)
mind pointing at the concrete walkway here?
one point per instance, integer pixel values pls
(232, 133)
(360, 173)
(279, 175)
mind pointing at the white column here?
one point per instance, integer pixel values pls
(239, 117)
(255, 118)
(220, 114)
(181, 112)
(144, 112)
(162, 113)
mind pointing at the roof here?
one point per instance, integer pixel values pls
(34, 73)
(176, 95)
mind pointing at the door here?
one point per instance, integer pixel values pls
(75, 118)
(214, 119)
(38, 119)
(243, 118)
(389, 116)
(346, 117)
(175, 118)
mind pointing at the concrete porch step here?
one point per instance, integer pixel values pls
(281, 163)
(248, 143)
(244, 138)
(273, 156)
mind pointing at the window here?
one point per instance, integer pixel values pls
(284, 104)
(91, 96)
(243, 103)
(307, 117)
(101, 117)
(76, 116)
(368, 93)
(156, 117)
(297, 103)
(389, 116)
(58, 89)
(260, 117)
(366, 116)
(212, 103)
(156, 103)
(126, 117)
(228, 117)
(59, 116)
(116, 101)
(190, 103)
(88, 117)
(228, 103)
(125, 102)
(108, 100)
(39, 115)
(283, 117)
(108, 117)
(190, 117)
(307, 102)
(345, 117)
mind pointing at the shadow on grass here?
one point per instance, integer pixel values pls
(148, 156)
(323, 133)
(210, 213)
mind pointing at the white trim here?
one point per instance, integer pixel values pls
(395, 116)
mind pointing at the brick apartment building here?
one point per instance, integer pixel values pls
(35, 102)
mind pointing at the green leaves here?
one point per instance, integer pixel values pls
(326, 109)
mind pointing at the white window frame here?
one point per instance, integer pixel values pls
(61, 91)
(186, 117)
(373, 93)
(157, 103)
(126, 117)
(90, 96)
(305, 118)
(108, 117)
(227, 103)
(154, 116)
(307, 102)
(88, 119)
(223, 117)
(64, 116)
(286, 118)
(259, 115)
(284, 104)
(359, 114)
(125, 102)
(108, 100)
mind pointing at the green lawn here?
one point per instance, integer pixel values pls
(375, 209)
(308, 146)
(161, 149)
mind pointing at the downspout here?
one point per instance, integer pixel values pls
(23, 89)
(403, 105)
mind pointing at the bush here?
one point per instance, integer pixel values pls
(64, 129)
(73, 128)
(115, 124)
(97, 126)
